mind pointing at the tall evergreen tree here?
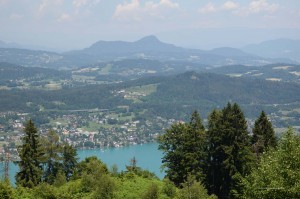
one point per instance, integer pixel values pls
(70, 160)
(194, 147)
(214, 151)
(183, 148)
(53, 150)
(31, 154)
(229, 151)
(263, 135)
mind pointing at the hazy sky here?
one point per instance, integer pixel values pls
(68, 24)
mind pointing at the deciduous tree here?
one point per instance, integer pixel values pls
(278, 174)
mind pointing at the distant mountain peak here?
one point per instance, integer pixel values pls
(150, 38)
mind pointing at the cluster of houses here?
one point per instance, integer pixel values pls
(107, 131)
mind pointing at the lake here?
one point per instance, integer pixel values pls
(147, 156)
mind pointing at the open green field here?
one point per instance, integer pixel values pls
(105, 70)
(146, 89)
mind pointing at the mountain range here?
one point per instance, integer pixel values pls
(284, 51)
(280, 48)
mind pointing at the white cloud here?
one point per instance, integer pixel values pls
(48, 3)
(257, 7)
(128, 11)
(169, 3)
(230, 5)
(254, 7)
(64, 18)
(262, 6)
(81, 3)
(208, 8)
(136, 11)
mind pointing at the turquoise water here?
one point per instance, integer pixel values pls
(147, 156)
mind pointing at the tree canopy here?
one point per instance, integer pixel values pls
(278, 173)
(183, 148)
(263, 135)
(31, 154)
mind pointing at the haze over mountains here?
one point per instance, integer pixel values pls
(282, 50)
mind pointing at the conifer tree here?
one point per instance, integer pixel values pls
(31, 154)
(70, 160)
(213, 148)
(194, 147)
(183, 148)
(229, 151)
(52, 156)
(263, 135)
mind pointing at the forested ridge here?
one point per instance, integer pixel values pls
(219, 160)
(201, 91)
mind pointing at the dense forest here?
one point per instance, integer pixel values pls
(202, 91)
(220, 160)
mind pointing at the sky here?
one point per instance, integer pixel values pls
(76, 24)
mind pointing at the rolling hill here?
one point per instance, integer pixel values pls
(172, 96)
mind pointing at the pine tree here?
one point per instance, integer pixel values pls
(69, 157)
(194, 147)
(31, 154)
(229, 149)
(213, 148)
(183, 148)
(263, 135)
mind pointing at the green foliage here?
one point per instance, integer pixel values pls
(214, 149)
(228, 148)
(169, 188)
(94, 176)
(52, 157)
(132, 186)
(45, 191)
(192, 189)
(134, 169)
(105, 188)
(114, 170)
(220, 157)
(90, 165)
(6, 191)
(69, 158)
(31, 154)
(24, 192)
(278, 174)
(60, 179)
(183, 148)
(152, 192)
(263, 135)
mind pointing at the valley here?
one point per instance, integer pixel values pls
(110, 106)
(115, 94)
